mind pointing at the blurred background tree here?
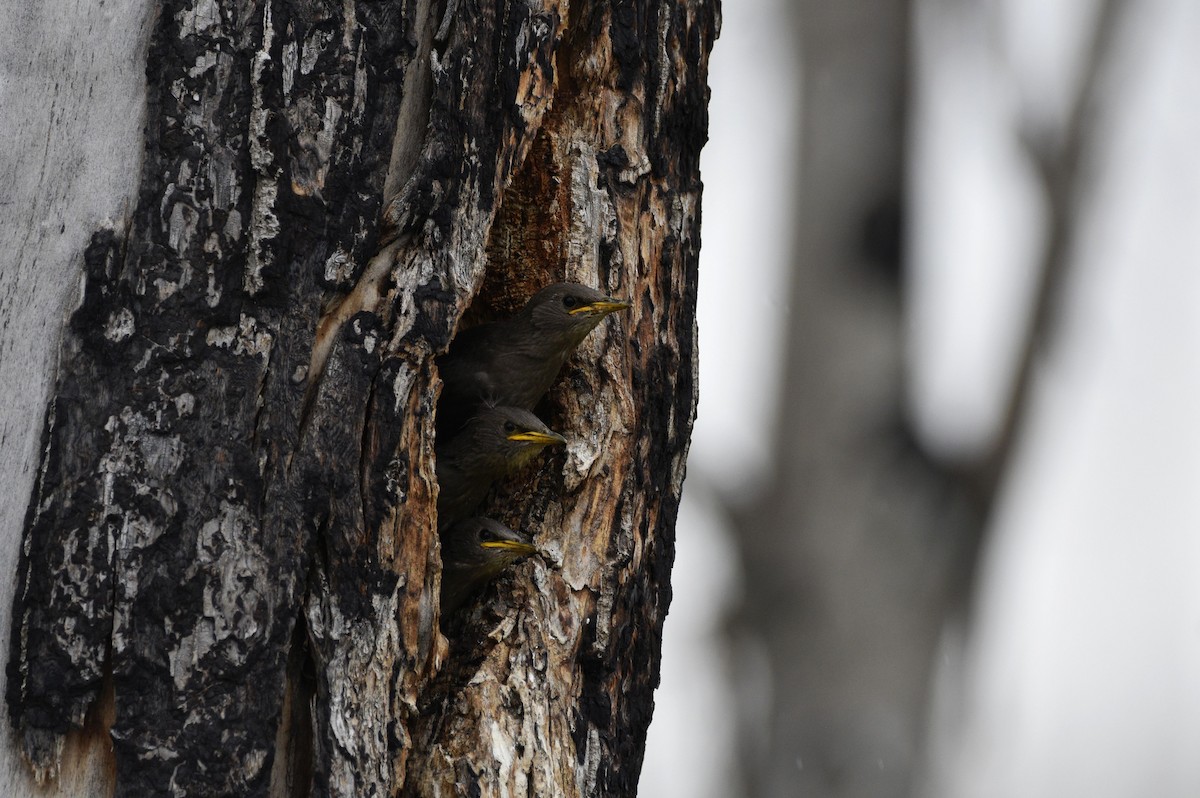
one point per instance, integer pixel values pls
(962, 523)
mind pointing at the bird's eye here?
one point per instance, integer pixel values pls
(510, 427)
(487, 535)
(569, 302)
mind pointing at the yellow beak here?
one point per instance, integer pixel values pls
(604, 306)
(515, 546)
(544, 438)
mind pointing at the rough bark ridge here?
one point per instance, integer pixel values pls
(242, 431)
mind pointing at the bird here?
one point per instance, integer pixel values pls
(474, 552)
(496, 442)
(514, 362)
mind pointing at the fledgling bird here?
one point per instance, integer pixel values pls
(474, 552)
(514, 362)
(493, 444)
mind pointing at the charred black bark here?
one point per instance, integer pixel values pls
(173, 525)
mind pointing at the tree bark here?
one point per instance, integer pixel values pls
(233, 522)
(72, 127)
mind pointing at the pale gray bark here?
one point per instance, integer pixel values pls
(74, 103)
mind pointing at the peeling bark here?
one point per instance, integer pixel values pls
(234, 517)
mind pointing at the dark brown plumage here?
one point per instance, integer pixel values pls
(474, 552)
(515, 361)
(493, 444)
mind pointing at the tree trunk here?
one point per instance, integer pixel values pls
(232, 531)
(860, 544)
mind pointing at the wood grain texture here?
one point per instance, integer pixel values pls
(235, 513)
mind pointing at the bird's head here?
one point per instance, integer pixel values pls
(484, 546)
(570, 310)
(520, 435)
(474, 552)
(509, 436)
